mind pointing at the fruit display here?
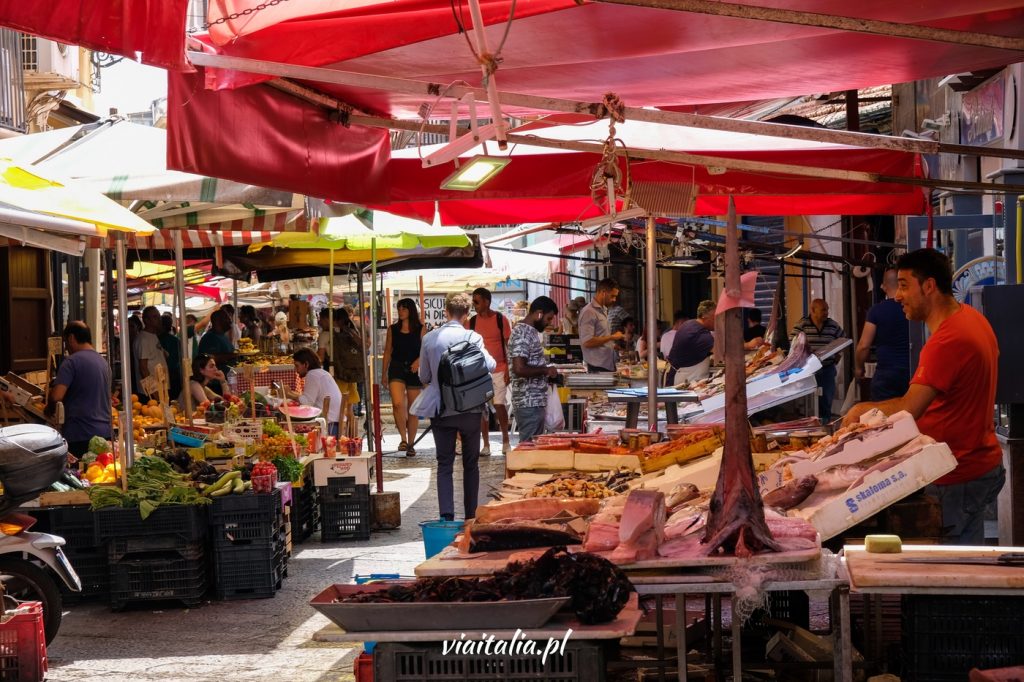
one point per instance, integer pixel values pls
(246, 347)
(227, 409)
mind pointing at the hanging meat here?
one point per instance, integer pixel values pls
(736, 521)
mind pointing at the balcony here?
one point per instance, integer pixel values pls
(12, 87)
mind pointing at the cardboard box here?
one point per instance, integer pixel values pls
(589, 461)
(359, 467)
(879, 490)
(245, 431)
(527, 460)
(702, 473)
(904, 430)
(298, 314)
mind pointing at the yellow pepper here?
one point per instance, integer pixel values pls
(94, 473)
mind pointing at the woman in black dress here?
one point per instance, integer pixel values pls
(401, 365)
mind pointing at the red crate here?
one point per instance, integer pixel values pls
(23, 644)
(362, 667)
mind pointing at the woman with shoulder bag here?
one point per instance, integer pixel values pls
(349, 367)
(401, 366)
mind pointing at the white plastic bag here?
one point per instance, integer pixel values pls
(554, 420)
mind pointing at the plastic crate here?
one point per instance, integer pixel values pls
(248, 573)
(119, 549)
(158, 576)
(362, 667)
(305, 513)
(945, 636)
(344, 513)
(248, 503)
(23, 644)
(76, 524)
(188, 521)
(583, 662)
(246, 529)
(93, 570)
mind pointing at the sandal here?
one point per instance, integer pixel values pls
(410, 452)
(402, 446)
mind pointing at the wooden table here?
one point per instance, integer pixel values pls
(671, 400)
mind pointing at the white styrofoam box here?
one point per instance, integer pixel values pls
(245, 431)
(765, 383)
(360, 467)
(702, 473)
(904, 430)
(613, 427)
(879, 490)
(526, 460)
(589, 461)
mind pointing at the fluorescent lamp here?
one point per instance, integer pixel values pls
(613, 217)
(682, 263)
(475, 173)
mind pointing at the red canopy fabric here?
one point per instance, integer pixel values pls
(550, 185)
(649, 57)
(153, 28)
(264, 137)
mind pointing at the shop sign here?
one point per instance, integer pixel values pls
(980, 272)
(433, 312)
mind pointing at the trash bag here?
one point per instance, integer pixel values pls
(32, 457)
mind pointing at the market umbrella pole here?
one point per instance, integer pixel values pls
(373, 358)
(651, 274)
(126, 358)
(330, 319)
(367, 367)
(179, 292)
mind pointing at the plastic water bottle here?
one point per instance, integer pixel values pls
(233, 380)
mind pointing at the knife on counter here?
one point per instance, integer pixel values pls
(1007, 559)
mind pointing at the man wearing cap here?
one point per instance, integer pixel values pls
(571, 320)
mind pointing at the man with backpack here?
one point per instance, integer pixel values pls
(455, 367)
(495, 330)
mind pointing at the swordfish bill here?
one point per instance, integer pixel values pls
(736, 521)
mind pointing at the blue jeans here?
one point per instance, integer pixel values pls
(530, 421)
(826, 378)
(963, 506)
(445, 429)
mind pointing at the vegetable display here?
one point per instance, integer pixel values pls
(151, 483)
(288, 468)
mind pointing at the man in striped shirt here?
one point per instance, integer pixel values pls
(822, 330)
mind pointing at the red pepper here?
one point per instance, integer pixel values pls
(105, 459)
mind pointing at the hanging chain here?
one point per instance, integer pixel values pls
(238, 15)
(608, 168)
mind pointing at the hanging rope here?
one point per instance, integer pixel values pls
(608, 168)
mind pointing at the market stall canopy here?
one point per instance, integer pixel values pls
(388, 232)
(128, 163)
(649, 57)
(555, 185)
(557, 49)
(33, 199)
(150, 30)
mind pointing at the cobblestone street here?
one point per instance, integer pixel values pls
(266, 639)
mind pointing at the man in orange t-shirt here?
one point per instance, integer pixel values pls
(952, 393)
(495, 329)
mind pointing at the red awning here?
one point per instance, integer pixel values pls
(649, 57)
(549, 185)
(264, 137)
(155, 29)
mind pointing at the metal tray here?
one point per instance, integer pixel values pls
(457, 616)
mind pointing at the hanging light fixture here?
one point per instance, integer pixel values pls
(477, 171)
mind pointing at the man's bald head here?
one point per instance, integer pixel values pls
(819, 311)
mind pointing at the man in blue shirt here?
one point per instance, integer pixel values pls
(83, 385)
(888, 330)
(445, 422)
(691, 348)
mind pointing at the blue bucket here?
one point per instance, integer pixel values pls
(439, 534)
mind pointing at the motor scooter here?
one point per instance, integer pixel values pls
(32, 458)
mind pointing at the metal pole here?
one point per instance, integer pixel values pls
(126, 358)
(179, 291)
(234, 318)
(373, 347)
(651, 290)
(482, 48)
(367, 367)
(330, 315)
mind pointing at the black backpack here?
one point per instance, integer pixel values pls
(463, 378)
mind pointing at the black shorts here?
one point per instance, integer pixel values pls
(405, 375)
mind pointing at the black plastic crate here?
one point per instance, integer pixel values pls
(188, 521)
(249, 503)
(121, 548)
(582, 661)
(945, 636)
(248, 573)
(345, 516)
(246, 528)
(305, 513)
(76, 524)
(93, 570)
(158, 576)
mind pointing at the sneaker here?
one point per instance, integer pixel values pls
(506, 448)
(485, 451)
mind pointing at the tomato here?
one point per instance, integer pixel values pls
(105, 458)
